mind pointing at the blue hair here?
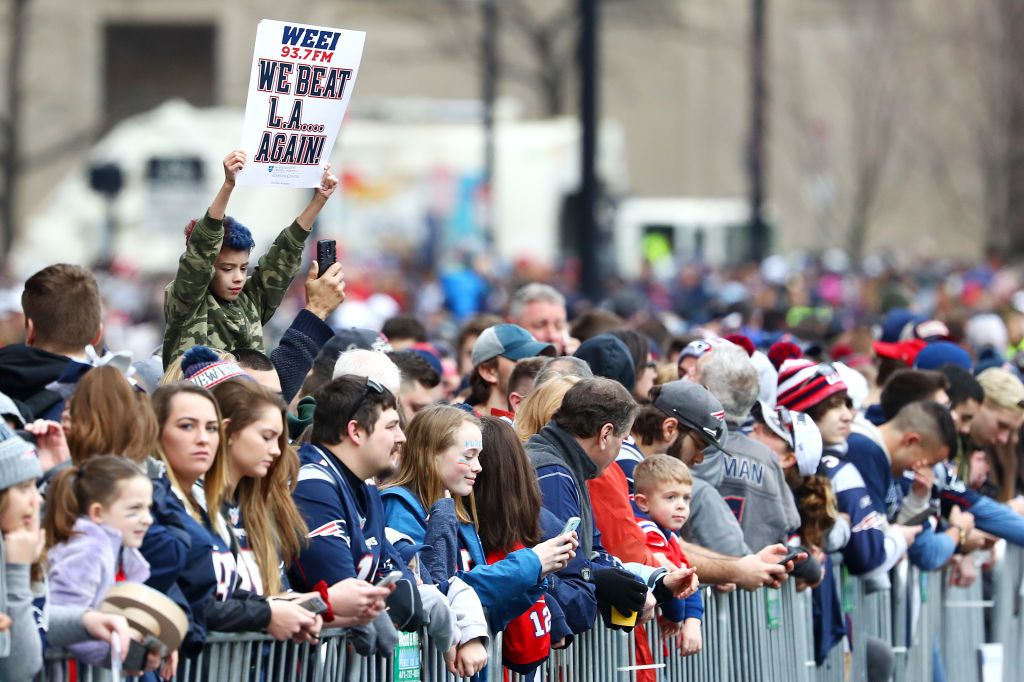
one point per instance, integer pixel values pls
(237, 236)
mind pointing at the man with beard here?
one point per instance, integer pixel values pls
(356, 434)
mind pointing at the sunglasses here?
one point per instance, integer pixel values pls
(368, 386)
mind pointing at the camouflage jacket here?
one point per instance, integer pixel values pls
(195, 316)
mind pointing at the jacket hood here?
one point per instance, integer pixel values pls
(24, 370)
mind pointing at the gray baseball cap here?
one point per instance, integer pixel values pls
(508, 341)
(696, 409)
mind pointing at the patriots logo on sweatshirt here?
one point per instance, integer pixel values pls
(332, 529)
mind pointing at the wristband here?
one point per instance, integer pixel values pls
(321, 588)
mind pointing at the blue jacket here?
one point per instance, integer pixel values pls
(827, 614)
(990, 516)
(346, 525)
(866, 549)
(930, 550)
(506, 588)
(568, 591)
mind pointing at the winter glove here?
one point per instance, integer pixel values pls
(387, 635)
(440, 618)
(617, 587)
(363, 639)
(405, 607)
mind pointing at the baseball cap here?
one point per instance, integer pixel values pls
(696, 409)
(800, 433)
(508, 341)
(905, 351)
(939, 353)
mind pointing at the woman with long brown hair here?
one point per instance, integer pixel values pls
(262, 471)
(568, 607)
(193, 446)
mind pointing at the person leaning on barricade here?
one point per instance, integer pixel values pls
(355, 438)
(583, 438)
(212, 301)
(692, 429)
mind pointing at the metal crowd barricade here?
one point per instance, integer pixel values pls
(765, 635)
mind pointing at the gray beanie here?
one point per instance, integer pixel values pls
(18, 462)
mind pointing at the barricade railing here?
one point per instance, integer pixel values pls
(764, 635)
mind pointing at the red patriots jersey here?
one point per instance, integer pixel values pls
(526, 640)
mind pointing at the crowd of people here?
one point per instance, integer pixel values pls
(526, 477)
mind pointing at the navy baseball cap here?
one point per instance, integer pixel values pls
(508, 341)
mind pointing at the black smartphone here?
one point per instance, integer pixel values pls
(314, 604)
(790, 556)
(326, 255)
(26, 436)
(136, 658)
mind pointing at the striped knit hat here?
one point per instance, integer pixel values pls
(803, 384)
(201, 365)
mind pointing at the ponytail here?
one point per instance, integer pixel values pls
(61, 507)
(76, 488)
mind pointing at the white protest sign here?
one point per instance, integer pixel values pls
(301, 82)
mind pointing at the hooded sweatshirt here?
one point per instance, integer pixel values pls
(25, 376)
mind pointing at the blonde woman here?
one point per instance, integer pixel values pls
(541, 405)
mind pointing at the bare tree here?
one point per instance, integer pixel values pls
(848, 186)
(10, 125)
(539, 38)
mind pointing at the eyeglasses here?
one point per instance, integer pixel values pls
(369, 385)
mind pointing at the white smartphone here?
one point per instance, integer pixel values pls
(572, 524)
(390, 579)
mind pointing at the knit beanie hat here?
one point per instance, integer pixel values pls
(202, 366)
(803, 384)
(18, 462)
(609, 357)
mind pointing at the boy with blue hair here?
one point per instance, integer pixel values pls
(212, 301)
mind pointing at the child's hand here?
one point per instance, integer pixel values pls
(170, 666)
(328, 183)
(51, 443)
(233, 163)
(691, 641)
(24, 545)
(106, 626)
(470, 658)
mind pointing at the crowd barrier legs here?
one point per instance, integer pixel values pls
(763, 636)
(963, 631)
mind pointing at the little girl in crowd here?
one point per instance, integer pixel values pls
(22, 547)
(97, 515)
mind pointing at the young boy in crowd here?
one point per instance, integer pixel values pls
(663, 487)
(212, 301)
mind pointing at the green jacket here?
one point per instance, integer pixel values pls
(194, 316)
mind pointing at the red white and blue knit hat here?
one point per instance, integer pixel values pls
(202, 366)
(804, 383)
